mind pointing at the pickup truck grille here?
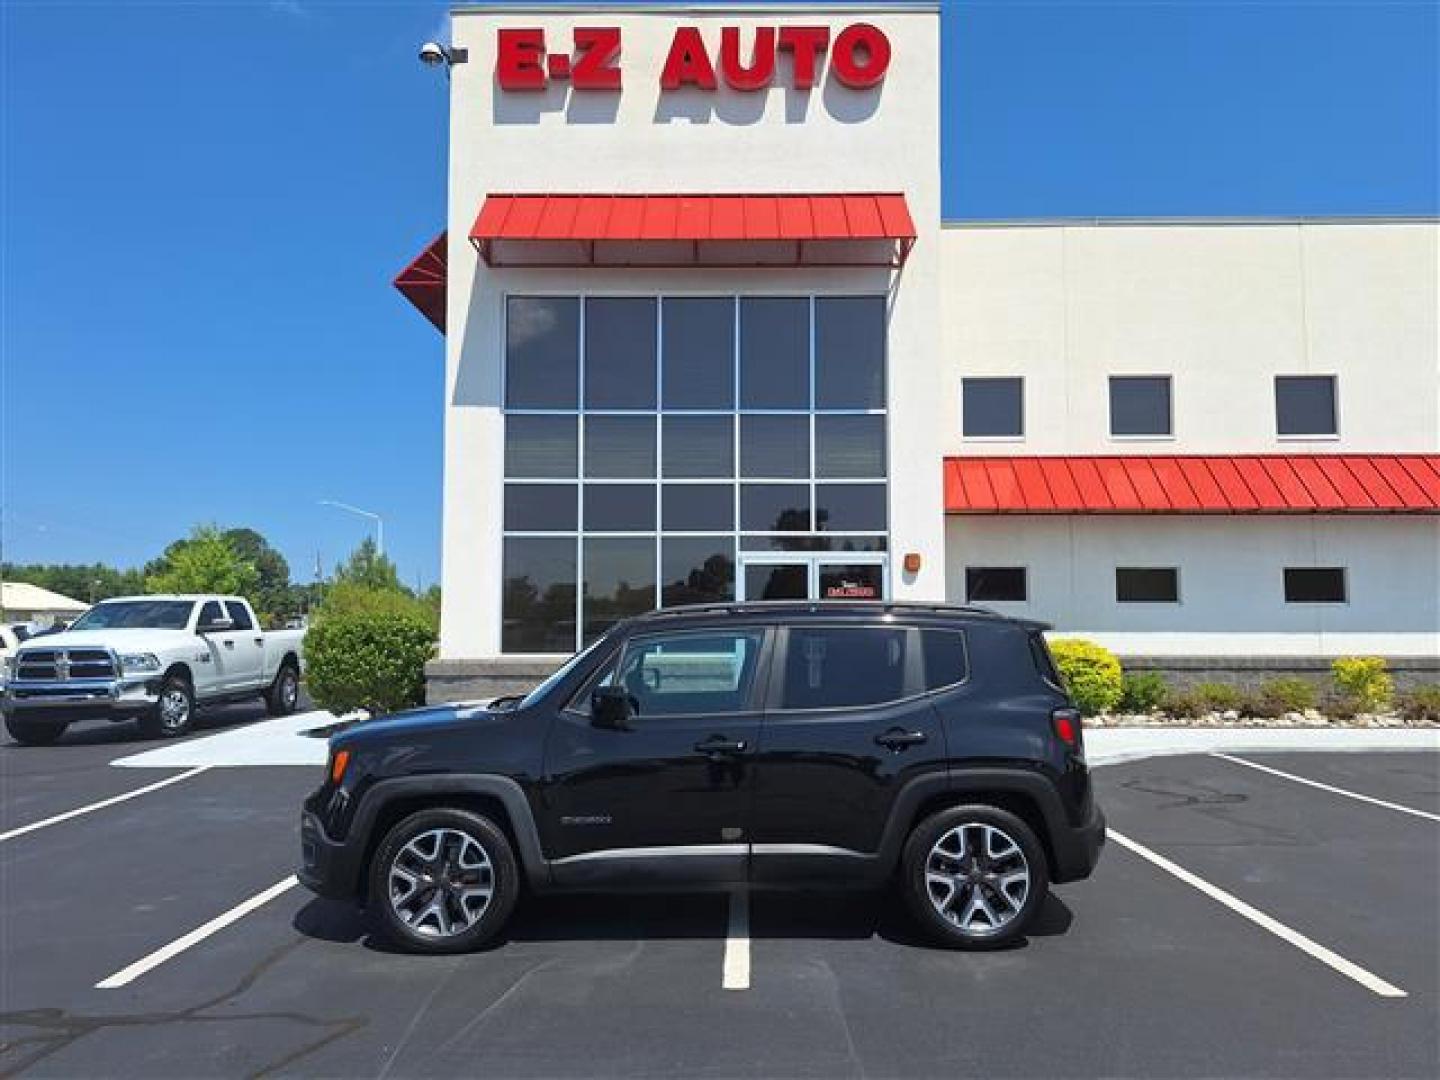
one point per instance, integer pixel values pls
(60, 665)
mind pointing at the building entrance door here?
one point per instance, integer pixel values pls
(805, 576)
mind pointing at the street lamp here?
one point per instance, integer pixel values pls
(379, 521)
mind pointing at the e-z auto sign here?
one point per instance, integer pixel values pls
(859, 57)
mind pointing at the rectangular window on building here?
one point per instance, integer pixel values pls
(849, 446)
(538, 607)
(541, 447)
(1147, 584)
(619, 580)
(775, 447)
(1315, 585)
(699, 352)
(542, 352)
(850, 352)
(1140, 405)
(775, 352)
(697, 569)
(620, 352)
(995, 583)
(1305, 405)
(620, 447)
(698, 447)
(992, 408)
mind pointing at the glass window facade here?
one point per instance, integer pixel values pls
(651, 441)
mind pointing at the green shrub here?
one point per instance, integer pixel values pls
(1364, 680)
(1421, 705)
(1340, 707)
(372, 660)
(1185, 704)
(1284, 695)
(1219, 697)
(1091, 674)
(1142, 691)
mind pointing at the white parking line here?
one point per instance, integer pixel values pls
(737, 942)
(194, 937)
(1333, 790)
(13, 833)
(1370, 981)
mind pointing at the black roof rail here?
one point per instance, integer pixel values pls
(737, 607)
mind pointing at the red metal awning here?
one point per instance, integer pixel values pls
(1249, 484)
(423, 282)
(694, 230)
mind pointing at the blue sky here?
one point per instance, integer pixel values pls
(204, 204)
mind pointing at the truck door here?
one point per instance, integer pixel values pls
(247, 667)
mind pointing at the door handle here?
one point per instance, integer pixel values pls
(719, 744)
(898, 739)
(229, 643)
(259, 641)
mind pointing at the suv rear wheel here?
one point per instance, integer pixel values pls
(974, 876)
(443, 880)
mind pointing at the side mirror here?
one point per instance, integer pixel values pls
(612, 708)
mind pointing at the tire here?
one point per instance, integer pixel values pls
(444, 851)
(941, 875)
(284, 692)
(174, 714)
(34, 732)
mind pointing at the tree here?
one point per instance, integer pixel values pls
(204, 562)
(78, 581)
(367, 567)
(274, 596)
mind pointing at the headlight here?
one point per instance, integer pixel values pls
(137, 663)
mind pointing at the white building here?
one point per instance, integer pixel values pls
(708, 338)
(22, 602)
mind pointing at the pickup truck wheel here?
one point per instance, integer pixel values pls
(174, 714)
(34, 732)
(974, 876)
(443, 881)
(284, 692)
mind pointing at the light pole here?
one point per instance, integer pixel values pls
(379, 521)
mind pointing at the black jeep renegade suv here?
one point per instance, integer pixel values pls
(775, 744)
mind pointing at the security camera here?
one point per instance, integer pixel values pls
(433, 54)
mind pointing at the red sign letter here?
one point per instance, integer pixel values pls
(806, 44)
(519, 59)
(861, 56)
(762, 62)
(688, 62)
(598, 48)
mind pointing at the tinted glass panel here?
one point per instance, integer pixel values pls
(691, 674)
(775, 507)
(984, 583)
(945, 663)
(775, 353)
(619, 580)
(861, 581)
(542, 352)
(812, 543)
(697, 570)
(620, 446)
(239, 615)
(620, 508)
(620, 353)
(850, 446)
(540, 446)
(210, 613)
(540, 507)
(782, 581)
(850, 507)
(1149, 584)
(1305, 405)
(1140, 405)
(698, 507)
(699, 353)
(828, 668)
(992, 408)
(775, 446)
(539, 601)
(1314, 585)
(850, 352)
(699, 447)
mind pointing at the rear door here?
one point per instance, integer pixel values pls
(246, 669)
(847, 724)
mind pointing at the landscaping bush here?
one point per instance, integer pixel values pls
(1276, 697)
(1219, 697)
(1364, 680)
(1091, 674)
(368, 659)
(1340, 707)
(1421, 705)
(1142, 692)
(1185, 704)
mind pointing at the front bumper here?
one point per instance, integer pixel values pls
(1077, 849)
(119, 697)
(329, 868)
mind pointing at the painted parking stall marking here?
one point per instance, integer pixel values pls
(1327, 787)
(737, 942)
(102, 804)
(1367, 979)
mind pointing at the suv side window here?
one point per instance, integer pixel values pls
(240, 616)
(837, 667)
(946, 662)
(209, 614)
(1044, 662)
(691, 673)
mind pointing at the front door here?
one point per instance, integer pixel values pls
(668, 798)
(808, 576)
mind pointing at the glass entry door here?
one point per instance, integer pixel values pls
(829, 576)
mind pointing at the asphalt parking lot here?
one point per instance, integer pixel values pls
(1139, 971)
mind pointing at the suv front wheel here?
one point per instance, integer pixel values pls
(443, 880)
(974, 876)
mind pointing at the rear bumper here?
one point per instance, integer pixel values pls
(329, 868)
(1077, 848)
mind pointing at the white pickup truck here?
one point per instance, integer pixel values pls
(155, 658)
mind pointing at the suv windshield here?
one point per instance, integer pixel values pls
(136, 614)
(565, 669)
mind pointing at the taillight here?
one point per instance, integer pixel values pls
(1066, 724)
(338, 764)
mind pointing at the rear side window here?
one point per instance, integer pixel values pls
(240, 616)
(839, 667)
(1044, 662)
(945, 661)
